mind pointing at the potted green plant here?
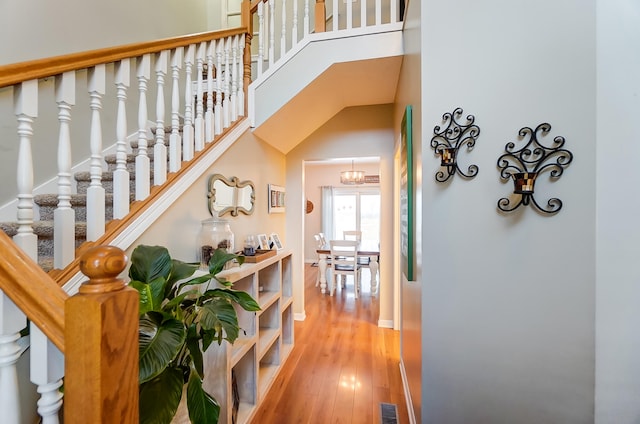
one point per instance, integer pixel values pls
(181, 315)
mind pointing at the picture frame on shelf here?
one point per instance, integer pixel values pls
(276, 199)
(264, 241)
(276, 241)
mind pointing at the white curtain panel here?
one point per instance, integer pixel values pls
(327, 212)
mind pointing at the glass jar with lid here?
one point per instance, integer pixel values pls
(215, 233)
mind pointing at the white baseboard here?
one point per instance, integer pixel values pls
(407, 394)
(385, 323)
(299, 316)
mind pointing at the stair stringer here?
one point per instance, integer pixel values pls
(141, 223)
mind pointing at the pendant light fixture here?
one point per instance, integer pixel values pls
(352, 177)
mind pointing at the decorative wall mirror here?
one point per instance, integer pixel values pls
(230, 196)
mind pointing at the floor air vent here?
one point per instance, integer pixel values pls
(388, 413)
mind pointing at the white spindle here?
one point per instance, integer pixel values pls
(294, 29)
(198, 125)
(283, 31)
(241, 78)
(187, 129)
(208, 116)
(25, 97)
(272, 31)
(234, 79)
(11, 322)
(219, 81)
(47, 370)
(363, 13)
(393, 14)
(379, 12)
(306, 18)
(175, 141)
(121, 190)
(95, 191)
(226, 107)
(64, 216)
(160, 148)
(261, 38)
(349, 14)
(334, 16)
(143, 163)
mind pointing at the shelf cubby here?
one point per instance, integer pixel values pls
(268, 368)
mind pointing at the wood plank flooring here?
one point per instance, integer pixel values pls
(342, 366)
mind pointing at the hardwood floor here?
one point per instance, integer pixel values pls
(342, 366)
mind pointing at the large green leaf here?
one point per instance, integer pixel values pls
(203, 408)
(242, 298)
(160, 341)
(193, 344)
(219, 258)
(160, 397)
(218, 314)
(149, 262)
(151, 295)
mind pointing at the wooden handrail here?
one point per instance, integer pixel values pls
(42, 68)
(32, 290)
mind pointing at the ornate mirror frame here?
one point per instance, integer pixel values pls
(240, 197)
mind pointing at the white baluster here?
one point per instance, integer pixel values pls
(334, 17)
(187, 129)
(234, 79)
(241, 78)
(64, 216)
(121, 190)
(160, 148)
(143, 163)
(208, 116)
(306, 18)
(261, 38)
(219, 82)
(294, 29)
(349, 14)
(175, 141)
(363, 13)
(47, 370)
(198, 125)
(379, 12)
(25, 98)
(272, 31)
(283, 31)
(226, 108)
(393, 14)
(11, 322)
(95, 191)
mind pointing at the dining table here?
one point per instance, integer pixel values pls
(367, 249)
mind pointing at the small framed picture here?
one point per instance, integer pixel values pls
(276, 199)
(264, 241)
(276, 241)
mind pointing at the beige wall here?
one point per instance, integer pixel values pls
(354, 132)
(247, 159)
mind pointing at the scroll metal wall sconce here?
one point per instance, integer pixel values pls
(526, 164)
(447, 141)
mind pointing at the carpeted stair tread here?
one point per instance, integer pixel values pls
(43, 229)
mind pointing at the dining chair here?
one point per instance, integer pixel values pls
(344, 262)
(320, 244)
(356, 235)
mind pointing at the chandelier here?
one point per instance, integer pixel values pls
(352, 177)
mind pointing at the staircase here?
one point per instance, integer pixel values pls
(47, 204)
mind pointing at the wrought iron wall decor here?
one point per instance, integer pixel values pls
(447, 141)
(526, 164)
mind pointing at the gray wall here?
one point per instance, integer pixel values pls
(618, 202)
(508, 301)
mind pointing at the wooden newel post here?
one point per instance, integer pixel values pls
(101, 343)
